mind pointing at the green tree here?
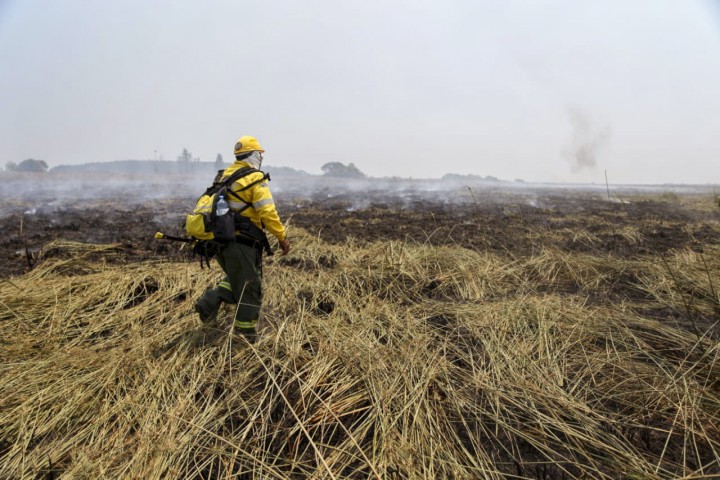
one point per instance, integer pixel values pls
(185, 159)
(28, 165)
(339, 170)
(185, 156)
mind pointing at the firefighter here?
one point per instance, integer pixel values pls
(241, 260)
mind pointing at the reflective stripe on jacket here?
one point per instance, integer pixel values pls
(262, 210)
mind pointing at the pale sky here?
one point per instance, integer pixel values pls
(541, 90)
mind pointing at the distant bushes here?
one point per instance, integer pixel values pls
(466, 178)
(150, 167)
(29, 165)
(340, 170)
(164, 167)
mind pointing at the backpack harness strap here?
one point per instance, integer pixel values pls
(253, 235)
(246, 187)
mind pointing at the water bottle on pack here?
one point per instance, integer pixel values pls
(222, 206)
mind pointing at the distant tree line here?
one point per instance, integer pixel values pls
(186, 163)
(163, 167)
(29, 165)
(465, 178)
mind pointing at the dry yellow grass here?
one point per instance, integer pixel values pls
(379, 361)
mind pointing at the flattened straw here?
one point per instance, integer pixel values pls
(292, 410)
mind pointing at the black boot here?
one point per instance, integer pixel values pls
(208, 306)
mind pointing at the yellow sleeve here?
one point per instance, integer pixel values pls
(264, 206)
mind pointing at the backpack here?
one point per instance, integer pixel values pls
(204, 223)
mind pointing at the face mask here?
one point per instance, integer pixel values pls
(255, 159)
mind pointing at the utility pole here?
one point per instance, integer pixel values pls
(607, 185)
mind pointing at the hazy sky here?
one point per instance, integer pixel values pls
(540, 90)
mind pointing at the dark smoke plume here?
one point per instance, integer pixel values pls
(587, 142)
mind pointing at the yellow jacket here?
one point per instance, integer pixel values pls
(262, 210)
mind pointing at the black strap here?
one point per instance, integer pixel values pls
(249, 185)
(216, 187)
(238, 175)
(205, 250)
(260, 245)
(262, 242)
(248, 241)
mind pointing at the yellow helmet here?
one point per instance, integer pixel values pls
(247, 144)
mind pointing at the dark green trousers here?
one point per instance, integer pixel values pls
(242, 284)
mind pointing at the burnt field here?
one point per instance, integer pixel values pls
(470, 331)
(511, 222)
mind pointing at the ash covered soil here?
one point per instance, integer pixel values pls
(513, 222)
(567, 221)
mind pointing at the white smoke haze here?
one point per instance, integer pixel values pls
(587, 143)
(175, 194)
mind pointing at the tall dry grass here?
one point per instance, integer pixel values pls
(386, 360)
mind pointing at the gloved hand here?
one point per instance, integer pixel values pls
(285, 246)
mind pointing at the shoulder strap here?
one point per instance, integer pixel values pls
(219, 184)
(227, 183)
(237, 175)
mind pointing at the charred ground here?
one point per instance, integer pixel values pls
(518, 229)
(516, 225)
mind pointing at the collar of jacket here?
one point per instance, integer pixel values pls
(242, 163)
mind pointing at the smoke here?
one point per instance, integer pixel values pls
(587, 143)
(171, 196)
